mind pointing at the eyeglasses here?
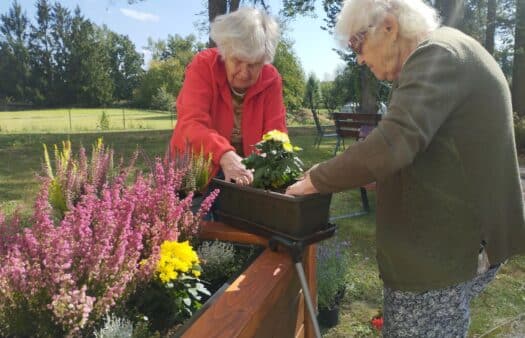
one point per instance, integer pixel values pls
(356, 42)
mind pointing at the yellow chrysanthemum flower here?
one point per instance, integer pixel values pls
(288, 147)
(175, 258)
(276, 135)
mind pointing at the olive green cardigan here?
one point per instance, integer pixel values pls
(445, 163)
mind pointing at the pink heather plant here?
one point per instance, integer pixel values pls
(71, 174)
(59, 277)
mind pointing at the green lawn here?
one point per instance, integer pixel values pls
(82, 120)
(21, 159)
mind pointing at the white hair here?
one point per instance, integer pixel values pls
(247, 33)
(415, 18)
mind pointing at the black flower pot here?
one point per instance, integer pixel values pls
(254, 210)
(328, 317)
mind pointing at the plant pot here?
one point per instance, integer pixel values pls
(328, 317)
(267, 212)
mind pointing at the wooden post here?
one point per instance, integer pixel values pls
(309, 262)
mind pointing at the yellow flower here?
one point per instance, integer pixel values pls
(276, 135)
(175, 258)
(288, 147)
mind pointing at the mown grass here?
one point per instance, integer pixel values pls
(504, 300)
(83, 120)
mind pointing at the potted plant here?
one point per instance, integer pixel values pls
(263, 207)
(332, 262)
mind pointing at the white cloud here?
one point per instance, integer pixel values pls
(141, 16)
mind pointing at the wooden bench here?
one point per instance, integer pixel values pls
(356, 127)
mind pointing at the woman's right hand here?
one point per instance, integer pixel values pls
(234, 170)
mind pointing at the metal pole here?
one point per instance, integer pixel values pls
(308, 298)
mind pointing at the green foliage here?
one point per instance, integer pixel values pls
(275, 162)
(72, 172)
(288, 65)
(168, 74)
(103, 121)
(312, 93)
(198, 166)
(332, 265)
(218, 260)
(177, 47)
(162, 100)
(175, 292)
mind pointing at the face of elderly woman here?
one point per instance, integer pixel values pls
(241, 73)
(380, 51)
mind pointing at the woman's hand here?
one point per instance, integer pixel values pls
(302, 187)
(234, 170)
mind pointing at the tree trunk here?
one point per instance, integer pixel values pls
(215, 7)
(491, 26)
(452, 12)
(368, 91)
(518, 71)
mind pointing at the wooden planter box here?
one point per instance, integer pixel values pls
(266, 300)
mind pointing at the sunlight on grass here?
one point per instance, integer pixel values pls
(83, 120)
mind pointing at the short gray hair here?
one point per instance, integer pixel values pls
(415, 18)
(247, 33)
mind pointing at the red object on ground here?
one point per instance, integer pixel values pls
(377, 322)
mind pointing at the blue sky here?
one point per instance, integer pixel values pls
(158, 18)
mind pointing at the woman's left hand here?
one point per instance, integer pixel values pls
(302, 187)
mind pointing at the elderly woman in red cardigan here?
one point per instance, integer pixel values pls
(231, 94)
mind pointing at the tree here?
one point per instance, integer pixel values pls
(452, 12)
(89, 71)
(60, 36)
(329, 96)
(125, 64)
(292, 74)
(175, 46)
(14, 55)
(40, 51)
(166, 74)
(518, 73)
(312, 93)
(491, 26)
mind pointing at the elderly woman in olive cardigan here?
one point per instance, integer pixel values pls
(449, 203)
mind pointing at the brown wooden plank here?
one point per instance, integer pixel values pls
(224, 232)
(351, 133)
(348, 124)
(309, 262)
(242, 307)
(299, 325)
(372, 118)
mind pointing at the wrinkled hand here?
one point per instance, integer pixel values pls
(234, 170)
(302, 187)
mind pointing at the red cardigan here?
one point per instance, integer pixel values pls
(205, 108)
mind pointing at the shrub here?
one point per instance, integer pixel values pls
(62, 275)
(115, 327)
(332, 262)
(198, 169)
(218, 260)
(72, 173)
(103, 121)
(162, 100)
